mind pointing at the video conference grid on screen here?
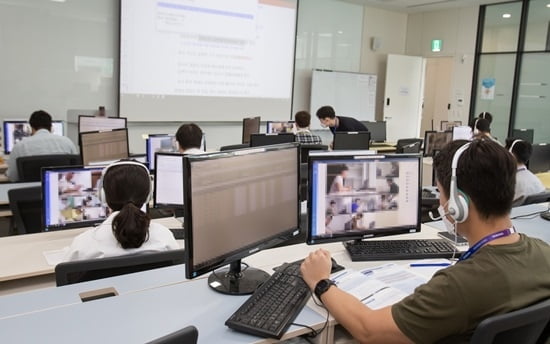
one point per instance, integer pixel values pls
(234, 210)
(15, 131)
(274, 127)
(377, 195)
(168, 180)
(71, 197)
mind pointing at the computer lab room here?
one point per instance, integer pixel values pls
(275, 171)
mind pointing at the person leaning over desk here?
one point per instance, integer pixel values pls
(126, 186)
(503, 271)
(189, 137)
(328, 118)
(42, 142)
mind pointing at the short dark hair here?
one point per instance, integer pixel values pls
(303, 119)
(482, 125)
(126, 189)
(522, 149)
(486, 115)
(189, 136)
(41, 120)
(486, 173)
(326, 112)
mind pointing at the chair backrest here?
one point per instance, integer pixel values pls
(29, 167)
(187, 335)
(521, 326)
(537, 198)
(91, 269)
(26, 207)
(408, 145)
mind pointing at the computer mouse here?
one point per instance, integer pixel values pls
(545, 215)
(335, 266)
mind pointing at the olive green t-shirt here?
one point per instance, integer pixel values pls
(496, 279)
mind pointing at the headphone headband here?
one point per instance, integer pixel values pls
(458, 203)
(513, 144)
(102, 197)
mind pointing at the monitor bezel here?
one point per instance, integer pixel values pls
(22, 121)
(109, 117)
(284, 135)
(521, 136)
(426, 133)
(230, 257)
(377, 125)
(102, 132)
(354, 236)
(359, 134)
(165, 205)
(71, 225)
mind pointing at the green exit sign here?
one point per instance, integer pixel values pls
(437, 45)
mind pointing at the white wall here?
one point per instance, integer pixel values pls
(457, 28)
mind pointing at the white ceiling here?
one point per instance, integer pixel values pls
(412, 6)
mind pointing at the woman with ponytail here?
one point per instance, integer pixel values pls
(125, 186)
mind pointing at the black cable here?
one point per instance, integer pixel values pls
(314, 333)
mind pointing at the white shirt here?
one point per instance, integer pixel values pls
(527, 184)
(193, 151)
(41, 143)
(100, 242)
(338, 180)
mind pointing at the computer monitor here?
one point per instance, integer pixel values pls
(103, 147)
(463, 132)
(232, 212)
(524, 134)
(351, 140)
(257, 140)
(70, 197)
(277, 127)
(377, 130)
(16, 130)
(540, 158)
(434, 141)
(154, 143)
(250, 126)
(93, 123)
(168, 191)
(355, 196)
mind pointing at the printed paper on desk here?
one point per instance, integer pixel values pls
(55, 257)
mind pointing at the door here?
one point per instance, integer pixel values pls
(403, 96)
(437, 93)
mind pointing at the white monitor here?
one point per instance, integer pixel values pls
(168, 180)
(463, 132)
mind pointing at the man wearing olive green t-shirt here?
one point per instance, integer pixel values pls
(502, 271)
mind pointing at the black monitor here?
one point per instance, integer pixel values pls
(70, 197)
(355, 196)
(257, 140)
(351, 140)
(277, 127)
(377, 130)
(526, 135)
(449, 125)
(434, 141)
(250, 126)
(154, 143)
(103, 147)
(232, 212)
(168, 191)
(540, 158)
(94, 123)
(16, 130)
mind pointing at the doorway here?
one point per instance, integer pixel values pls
(437, 93)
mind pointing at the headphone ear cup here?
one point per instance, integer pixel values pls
(458, 208)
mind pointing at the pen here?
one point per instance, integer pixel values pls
(416, 265)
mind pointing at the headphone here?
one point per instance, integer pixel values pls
(483, 114)
(458, 201)
(476, 130)
(101, 193)
(512, 145)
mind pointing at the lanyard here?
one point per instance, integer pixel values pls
(501, 234)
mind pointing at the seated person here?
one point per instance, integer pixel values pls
(67, 183)
(126, 186)
(486, 115)
(503, 271)
(338, 181)
(481, 128)
(392, 185)
(302, 119)
(527, 183)
(41, 142)
(189, 137)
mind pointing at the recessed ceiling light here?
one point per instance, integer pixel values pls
(58, 0)
(340, 32)
(548, 5)
(506, 15)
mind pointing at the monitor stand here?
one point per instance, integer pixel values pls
(235, 281)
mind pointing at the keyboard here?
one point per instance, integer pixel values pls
(400, 249)
(428, 194)
(179, 233)
(274, 305)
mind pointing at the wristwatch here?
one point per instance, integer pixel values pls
(322, 286)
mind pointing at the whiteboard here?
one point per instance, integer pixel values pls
(350, 94)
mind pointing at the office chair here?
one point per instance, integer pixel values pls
(232, 147)
(521, 326)
(29, 167)
(26, 207)
(187, 335)
(408, 145)
(91, 269)
(537, 198)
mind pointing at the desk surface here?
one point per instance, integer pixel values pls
(544, 178)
